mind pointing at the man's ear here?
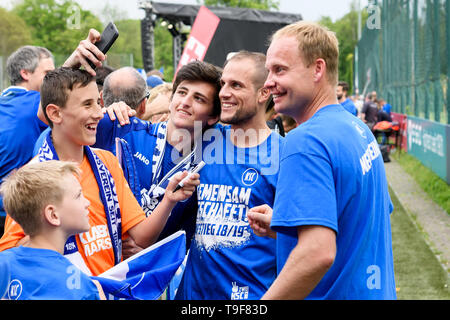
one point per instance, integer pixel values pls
(51, 216)
(25, 74)
(140, 110)
(263, 95)
(320, 68)
(53, 113)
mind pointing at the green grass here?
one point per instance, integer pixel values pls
(418, 273)
(431, 183)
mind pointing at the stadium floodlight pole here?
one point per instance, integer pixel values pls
(147, 35)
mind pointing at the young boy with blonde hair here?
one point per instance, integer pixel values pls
(46, 200)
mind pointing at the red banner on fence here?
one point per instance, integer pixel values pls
(403, 135)
(202, 32)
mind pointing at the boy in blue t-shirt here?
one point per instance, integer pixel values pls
(332, 207)
(46, 199)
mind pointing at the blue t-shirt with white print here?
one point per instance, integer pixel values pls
(43, 274)
(227, 260)
(332, 175)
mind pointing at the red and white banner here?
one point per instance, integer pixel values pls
(202, 32)
(403, 134)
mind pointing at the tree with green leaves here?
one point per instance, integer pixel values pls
(128, 43)
(163, 39)
(163, 50)
(346, 29)
(56, 25)
(254, 4)
(14, 33)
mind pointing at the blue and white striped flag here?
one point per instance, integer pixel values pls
(147, 274)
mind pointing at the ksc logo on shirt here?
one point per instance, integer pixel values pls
(249, 177)
(14, 289)
(239, 293)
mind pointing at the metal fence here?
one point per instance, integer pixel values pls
(406, 57)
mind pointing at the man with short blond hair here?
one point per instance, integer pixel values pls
(332, 205)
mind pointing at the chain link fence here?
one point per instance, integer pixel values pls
(406, 58)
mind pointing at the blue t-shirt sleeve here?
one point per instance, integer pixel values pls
(108, 131)
(305, 193)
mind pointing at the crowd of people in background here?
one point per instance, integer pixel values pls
(371, 109)
(292, 202)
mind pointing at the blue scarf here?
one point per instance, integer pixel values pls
(152, 197)
(124, 154)
(108, 196)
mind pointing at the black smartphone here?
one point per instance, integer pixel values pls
(107, 38)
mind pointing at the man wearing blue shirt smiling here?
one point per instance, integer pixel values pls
(332, 206)
(227, 261)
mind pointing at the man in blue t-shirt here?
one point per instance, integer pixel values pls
(341, 93)
(19, 105)
(20, 115)
(332, 207)
(227, 260)
(386, 107)
(154, 152)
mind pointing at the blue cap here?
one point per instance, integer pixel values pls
(154, 81)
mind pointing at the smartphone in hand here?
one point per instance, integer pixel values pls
(107, 38)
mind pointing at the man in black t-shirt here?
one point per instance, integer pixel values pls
(369, 112)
